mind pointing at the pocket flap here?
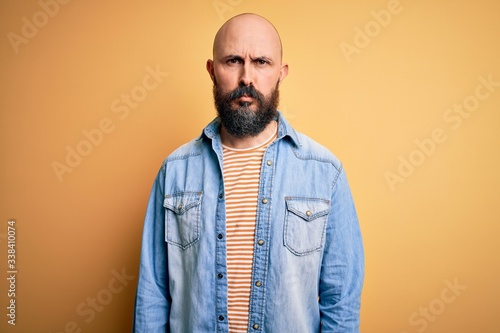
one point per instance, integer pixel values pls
(308, 208)
(180, 203)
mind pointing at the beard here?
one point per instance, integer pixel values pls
(241, 121)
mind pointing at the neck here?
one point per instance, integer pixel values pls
(250, 141)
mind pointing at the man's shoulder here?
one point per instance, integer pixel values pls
(186, 150)
(197, 146)
(308, 148)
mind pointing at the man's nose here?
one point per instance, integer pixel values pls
(246, 76)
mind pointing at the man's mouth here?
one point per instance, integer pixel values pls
(244, 100)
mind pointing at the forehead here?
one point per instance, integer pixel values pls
(243, 44)
(247, 36)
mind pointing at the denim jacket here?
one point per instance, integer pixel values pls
(308, 264)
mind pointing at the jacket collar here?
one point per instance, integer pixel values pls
(285, 130)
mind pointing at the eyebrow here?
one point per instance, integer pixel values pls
(235, 56)
(231, 56)
(263, 58)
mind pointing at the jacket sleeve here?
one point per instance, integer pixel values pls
(342, 270)
(152, 297)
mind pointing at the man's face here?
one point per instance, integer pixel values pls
(247, 70)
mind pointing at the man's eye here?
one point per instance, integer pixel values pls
(234, 61)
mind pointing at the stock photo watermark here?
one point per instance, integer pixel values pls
(421, 319)
(31, 26)
(122, 107)
(11, 271)
(363, 36)
(92, 306)
(453, 117)
(223, 6)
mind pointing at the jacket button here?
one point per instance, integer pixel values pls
(308, 213)
(258, 283)
(221, 318)
(219, 236)
(255, 326)
(264, 201)
(220, 276)
(260, 242)
(269, 162)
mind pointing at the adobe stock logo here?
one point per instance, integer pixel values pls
(222, 6)
(425, 315)
(30, 28)
(121, 106)
(371, 29)
(454, 116)
(90, 308)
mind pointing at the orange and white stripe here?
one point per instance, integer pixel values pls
(241, 180)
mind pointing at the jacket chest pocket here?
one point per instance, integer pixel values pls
(305, 224)
(182, 218)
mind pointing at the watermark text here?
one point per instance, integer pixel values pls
(453, 117)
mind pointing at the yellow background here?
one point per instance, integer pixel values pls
(438, 225)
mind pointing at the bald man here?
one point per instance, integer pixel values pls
(251, 227)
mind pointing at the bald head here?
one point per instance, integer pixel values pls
(248, 32)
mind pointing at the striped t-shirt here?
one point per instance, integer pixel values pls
(241, 181)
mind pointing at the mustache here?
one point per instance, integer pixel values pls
(244, 90)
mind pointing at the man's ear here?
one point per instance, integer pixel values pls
(283, 72)
(210, 69)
